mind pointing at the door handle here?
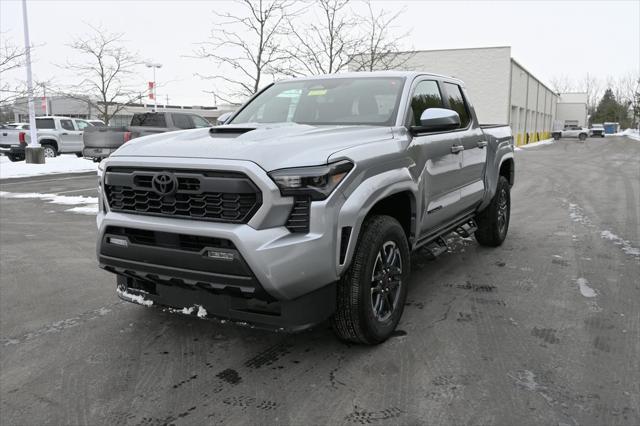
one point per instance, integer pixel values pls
(457, 148)
(482, 144)
(65, 134)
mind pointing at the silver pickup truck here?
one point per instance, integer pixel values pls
(101, 141)
(57, 135)
(307, 205)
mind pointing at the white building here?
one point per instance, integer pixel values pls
(572, 110)
(79, 107)
(501, 90)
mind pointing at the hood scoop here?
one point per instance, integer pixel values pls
(222, 131)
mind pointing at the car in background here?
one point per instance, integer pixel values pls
(56, 134)
(18, 126)
(100, 142)
(571, 131)
(97, 123)
(597, 130)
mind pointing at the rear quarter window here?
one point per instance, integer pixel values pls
(45, 123)
(150, 119)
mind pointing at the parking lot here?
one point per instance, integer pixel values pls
(543, 330)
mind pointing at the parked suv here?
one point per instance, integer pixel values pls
(307, 204)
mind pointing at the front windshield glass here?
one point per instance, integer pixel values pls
(333, 101)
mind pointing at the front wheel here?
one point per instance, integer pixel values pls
(14, 157)
(582, 136)
(493, 221)
(372, 293)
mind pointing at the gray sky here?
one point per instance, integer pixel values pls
(550, 38)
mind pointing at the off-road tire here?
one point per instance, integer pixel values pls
(491, 231)
(354, 319)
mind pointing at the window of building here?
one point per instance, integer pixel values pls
(457, 103)
(426, 95)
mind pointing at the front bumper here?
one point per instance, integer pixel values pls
(280, 265)
(289, 316)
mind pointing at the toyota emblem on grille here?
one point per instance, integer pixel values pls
(164, 183)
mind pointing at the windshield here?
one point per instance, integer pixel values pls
(347, 101)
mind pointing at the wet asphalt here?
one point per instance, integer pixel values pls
(542, 330)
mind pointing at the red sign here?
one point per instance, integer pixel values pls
(44, 102)
(151, 86)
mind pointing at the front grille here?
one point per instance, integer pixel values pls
(298, 220)
(192, 243)
(205, 195)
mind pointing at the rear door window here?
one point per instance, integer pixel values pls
(82, 124)
(457, 103)
(182, 121)
(45, 123)
(67, 124)
(150, 119)
(426, 95)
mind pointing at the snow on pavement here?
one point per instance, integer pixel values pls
(62, 164)
(529, 145)
(84, 205)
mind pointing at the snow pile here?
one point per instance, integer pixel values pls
(619, 241)
(529, 145)
(631, 134)
(585, 290)
(85, 205)
(60, 164)
(134, 298)
(202, 312)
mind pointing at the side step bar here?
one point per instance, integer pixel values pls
(439, 245)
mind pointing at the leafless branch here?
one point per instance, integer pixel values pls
(104, 75)
(379, 46)
(246, 45)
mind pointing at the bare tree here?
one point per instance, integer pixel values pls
(247, 44)
(11, 57)
(327, 44)
(379, 48)
(562, 84)
(105, 72)
(592, 86)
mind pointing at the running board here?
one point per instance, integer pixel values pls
(467, 229)
(436, 248)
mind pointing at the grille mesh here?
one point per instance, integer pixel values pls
(198, 196)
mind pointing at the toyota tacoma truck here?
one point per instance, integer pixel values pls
(306, 205)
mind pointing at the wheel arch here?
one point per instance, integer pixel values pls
(391, 193)
(49, 141)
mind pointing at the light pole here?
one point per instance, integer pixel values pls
(154, 65)
(33, 153)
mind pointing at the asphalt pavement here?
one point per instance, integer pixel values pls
(542, 330)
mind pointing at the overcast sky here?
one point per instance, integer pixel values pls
(550, 38)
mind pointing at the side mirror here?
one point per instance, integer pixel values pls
(223, 118)
(438, 119)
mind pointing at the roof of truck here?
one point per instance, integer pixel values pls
(403, 74)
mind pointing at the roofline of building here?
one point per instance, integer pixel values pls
(534, 77)
(444, 50)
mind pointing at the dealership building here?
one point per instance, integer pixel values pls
(501, 89)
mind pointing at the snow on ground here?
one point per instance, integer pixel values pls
(529, 145)
(631, 134)
(67, 163)
(84, 205)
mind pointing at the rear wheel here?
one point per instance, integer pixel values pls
(372, 293)
(14, 157)
(582, 136)
(79, 154)
(493, 221)
(49, 151)
(556, 136)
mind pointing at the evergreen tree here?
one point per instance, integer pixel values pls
(610, 109)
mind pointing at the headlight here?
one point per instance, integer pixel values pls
(317, 182)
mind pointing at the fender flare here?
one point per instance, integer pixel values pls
(360, 202)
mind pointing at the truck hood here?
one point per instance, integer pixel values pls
(271, 146)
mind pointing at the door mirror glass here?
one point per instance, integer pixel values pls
(439, 119)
